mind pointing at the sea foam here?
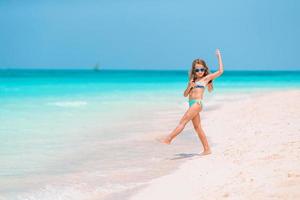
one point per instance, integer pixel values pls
(68, 103)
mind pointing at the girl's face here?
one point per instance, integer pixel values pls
(199, 70)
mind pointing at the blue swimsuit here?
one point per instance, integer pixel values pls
(192, 101)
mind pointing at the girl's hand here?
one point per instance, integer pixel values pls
(218, 53)
(192, 84)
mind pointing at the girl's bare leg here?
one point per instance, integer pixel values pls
(197, 126)
(190, 113)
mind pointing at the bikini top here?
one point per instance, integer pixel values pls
(199, 85)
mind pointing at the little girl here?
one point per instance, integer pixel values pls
(199, 78)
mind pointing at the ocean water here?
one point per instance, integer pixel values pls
(79, 134)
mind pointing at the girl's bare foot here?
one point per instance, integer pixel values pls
(205, 152)
(164, 140)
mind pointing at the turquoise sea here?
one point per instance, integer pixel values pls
(80, 134)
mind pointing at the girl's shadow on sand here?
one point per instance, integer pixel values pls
(184, 155)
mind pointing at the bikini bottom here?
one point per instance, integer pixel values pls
(192, 101)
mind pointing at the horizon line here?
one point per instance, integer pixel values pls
(83, 69)
(137, 69)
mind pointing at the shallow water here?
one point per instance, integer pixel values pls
(85, 134)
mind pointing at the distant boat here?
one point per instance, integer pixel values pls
(96, 67)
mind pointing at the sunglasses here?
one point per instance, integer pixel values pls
(199, 69)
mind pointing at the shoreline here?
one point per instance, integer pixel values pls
(251, 161)
(149, 168)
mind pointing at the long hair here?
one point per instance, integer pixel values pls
(192, 74)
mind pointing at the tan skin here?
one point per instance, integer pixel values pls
(193, 113)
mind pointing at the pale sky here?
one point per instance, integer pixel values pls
(156, 34)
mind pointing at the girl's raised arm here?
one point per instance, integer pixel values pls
(220, 70)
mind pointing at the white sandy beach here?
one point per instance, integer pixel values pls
(255, 154)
